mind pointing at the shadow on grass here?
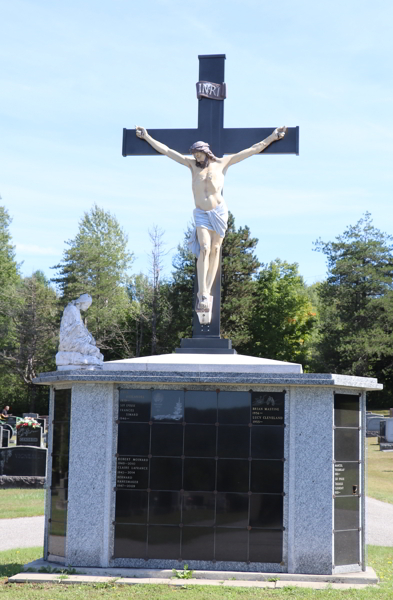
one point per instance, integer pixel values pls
(12, 561)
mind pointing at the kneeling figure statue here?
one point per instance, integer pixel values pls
(77, 348)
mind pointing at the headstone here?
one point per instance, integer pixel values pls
(42, 422)
(382, 430)
(11, 421)
(23, 462)
(372, 426)
(7, 426)
(6, 438)
(391, 413)
(29, 436)
(32, 415)
(386, 444)
(1, 436)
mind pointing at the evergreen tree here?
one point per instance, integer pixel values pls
(34, 324)
(239, 266)
(96, 262)
(283, 317)
(357, 304)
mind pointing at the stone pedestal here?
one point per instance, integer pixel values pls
(223, 462)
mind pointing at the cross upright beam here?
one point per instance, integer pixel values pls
(211, 125)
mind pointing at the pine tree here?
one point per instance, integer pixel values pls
(96, 262)
(357, 304)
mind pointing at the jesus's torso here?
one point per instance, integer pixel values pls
(207, 185)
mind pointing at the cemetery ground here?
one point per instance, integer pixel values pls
(22, 503)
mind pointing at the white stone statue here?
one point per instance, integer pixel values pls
(77, 348)
(211, 213)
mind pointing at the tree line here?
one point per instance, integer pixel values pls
(343, 324)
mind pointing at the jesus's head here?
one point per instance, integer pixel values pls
(202, 154)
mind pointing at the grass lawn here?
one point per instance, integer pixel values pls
(11, 562)
(379, 472)
(21, 503)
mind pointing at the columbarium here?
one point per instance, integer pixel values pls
(221, 462)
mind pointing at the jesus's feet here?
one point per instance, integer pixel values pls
(204, 303)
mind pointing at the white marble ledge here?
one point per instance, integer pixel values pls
(203, 363)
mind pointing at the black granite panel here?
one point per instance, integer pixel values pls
(59, 469)
(267, 476)
(134, 405)
(200, 407)
(346, 548)
(234, 407)
(197, 543)
(233, 441)
(167, 405)
(346, 410)
(231, 544)
(166, 439)
(132, 473)
(131, 507)
(200, 440)
(346, 513)
(232, 510)
(130, 541)
(198, 508)
(165, 508)
(164, 542)
(58, 528)
(267, 442)
(56, 543)
(61, 437)
(233, 475)
(346, 444)
(266, 511)
(265, 546)
(346, 478)
(62, 405)
(133, 439)
(199, 474)
(166, 474)
(59, 497)
(267, 408)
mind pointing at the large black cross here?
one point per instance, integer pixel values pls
(211, 126)
(222, 141)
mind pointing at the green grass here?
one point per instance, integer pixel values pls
(11, 562)
(21, 503)
(379, 472)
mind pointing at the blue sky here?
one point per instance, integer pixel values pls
(73, 74)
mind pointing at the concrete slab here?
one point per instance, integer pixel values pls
(209, 578)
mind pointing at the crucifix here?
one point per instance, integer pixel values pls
(208, 167)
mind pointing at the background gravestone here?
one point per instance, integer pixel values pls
(23, 462)
(1, 436)
(5, 437)
(32, 415)
(29, 436)
(11, 421)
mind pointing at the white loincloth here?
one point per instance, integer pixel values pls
(215, 220)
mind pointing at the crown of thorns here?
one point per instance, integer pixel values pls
(202, 147)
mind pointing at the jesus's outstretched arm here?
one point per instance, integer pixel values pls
(232, 159)
(162, 148)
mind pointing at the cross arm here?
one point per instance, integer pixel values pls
(177, 139)
(235, 140)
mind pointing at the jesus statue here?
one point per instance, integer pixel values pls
(211, 213)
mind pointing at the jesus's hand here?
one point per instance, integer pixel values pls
(280, 132)
(140, 132)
